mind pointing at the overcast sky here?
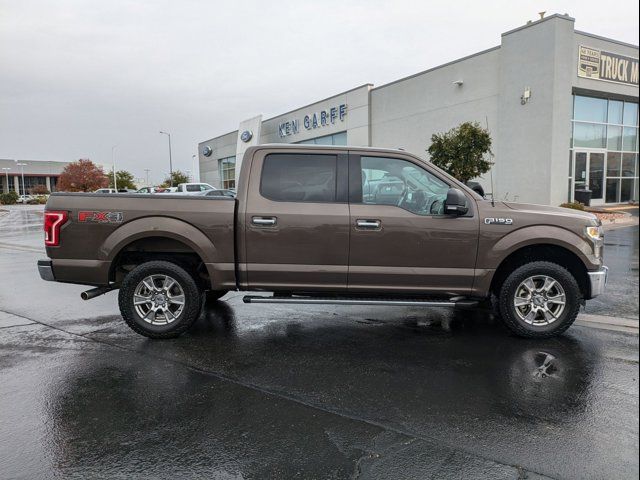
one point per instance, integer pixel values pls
(77, 77)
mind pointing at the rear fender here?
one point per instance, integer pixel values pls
(161, 227)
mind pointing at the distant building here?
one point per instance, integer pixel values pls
(561, 105)
(36, 172)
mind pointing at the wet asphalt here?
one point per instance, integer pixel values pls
(256, 391)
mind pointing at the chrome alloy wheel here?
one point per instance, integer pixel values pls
(158, 299)
(539, 300)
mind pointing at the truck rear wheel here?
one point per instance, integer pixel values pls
(159, 299)
(539, 300)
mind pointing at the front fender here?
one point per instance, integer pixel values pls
(496, 251)
(159, 227)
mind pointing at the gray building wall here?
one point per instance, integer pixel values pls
(355, 123)
(534, 137)
(405, 113)
(531, 140)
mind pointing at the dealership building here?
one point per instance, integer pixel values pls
(561, 106)
(33, 172)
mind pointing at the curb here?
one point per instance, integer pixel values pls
(604, 322)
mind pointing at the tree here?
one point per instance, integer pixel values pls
(124, 179)
(178, 177)
(82, 176)
(462, 151)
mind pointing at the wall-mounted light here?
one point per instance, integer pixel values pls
(458, 83)
(526, 96)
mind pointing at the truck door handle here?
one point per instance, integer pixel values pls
(263, 221)
(369, 224)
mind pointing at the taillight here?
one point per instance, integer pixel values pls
(53, 220)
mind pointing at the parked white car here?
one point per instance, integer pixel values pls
(193, 188)
(25, 198)
(105, 190)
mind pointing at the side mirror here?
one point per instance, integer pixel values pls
(456, 203)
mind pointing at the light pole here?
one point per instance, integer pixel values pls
(6, 172)
(113, 160)
(196, 178)
(22, 165)
(170, 164)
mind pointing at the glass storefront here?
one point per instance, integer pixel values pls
(604, 149)
(227, 169)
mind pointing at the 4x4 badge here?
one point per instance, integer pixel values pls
(498, 221)
(100, 217)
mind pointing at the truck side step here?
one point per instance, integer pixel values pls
(453, 302)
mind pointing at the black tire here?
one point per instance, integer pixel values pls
(182, 322)
(507, 309)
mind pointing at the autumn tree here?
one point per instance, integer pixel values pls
(177, 176)
(124, 180)
(82, 176)
(462, 151)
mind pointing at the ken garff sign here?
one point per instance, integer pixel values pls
(609, 67)
(314, 120)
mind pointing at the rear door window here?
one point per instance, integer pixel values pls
(296, 177)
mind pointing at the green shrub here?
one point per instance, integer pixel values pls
(573, 205)
(10, 198)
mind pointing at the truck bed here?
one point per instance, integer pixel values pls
(102, 226)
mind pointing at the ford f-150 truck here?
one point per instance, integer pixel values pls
(339, 225)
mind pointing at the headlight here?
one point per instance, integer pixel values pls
(596, 235)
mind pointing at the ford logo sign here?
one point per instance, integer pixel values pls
(207, 151)
(246, 136)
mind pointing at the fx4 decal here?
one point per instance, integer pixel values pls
(100, 217)
(498, 221)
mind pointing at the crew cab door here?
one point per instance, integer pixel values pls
(401, 242)
(296, 223)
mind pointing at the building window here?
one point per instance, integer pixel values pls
(30, 182)
(227, 169)
(335, 139)
(604, 130)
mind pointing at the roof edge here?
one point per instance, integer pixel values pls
(429, 70)
(541, 20)
(606, 39)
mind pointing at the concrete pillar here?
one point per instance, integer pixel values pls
(48, 182)
(16, 185)
(253, 129)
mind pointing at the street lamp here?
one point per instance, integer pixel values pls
(6, 172)
(196, 178)
(113, 160)
(170, 163)
(22, 165)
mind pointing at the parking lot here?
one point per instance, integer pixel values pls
(257, 391)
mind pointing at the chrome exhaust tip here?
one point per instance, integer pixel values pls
(94, 292)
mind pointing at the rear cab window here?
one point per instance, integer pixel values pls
(293, 177)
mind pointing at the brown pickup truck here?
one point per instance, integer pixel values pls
(338, 225)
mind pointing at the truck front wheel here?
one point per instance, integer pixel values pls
(539, 300)
(159, 299)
